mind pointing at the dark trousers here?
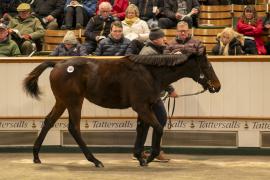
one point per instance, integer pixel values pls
(167, 23)
(90, 46)
(250, 47)
(75, 14)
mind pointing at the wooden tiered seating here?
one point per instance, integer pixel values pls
(238, 10)
(218, 16)
(53, 37)
(169, 34)
(207, 36)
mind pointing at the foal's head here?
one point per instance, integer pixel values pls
(205, 75)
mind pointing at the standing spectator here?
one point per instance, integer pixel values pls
(229, 42)
(27, 29)
(49, 12)
(7, 46)
(179, 10)
(150, 10)
(69, 47)
(98, 27)
(133, 26)
(78, 12)
(118, 8)
(156, 45)
(115, 44)
(252, 28)
(184, 42)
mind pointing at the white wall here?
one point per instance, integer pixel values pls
(245, 92)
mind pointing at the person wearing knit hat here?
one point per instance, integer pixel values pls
(70, 38)
(156, 33)
(69, 46)
(154, 46)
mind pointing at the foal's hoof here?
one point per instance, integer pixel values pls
(142, 162)
(37, 161)
(99, 165)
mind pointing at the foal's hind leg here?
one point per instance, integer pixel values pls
(74, 129)
(49, 122)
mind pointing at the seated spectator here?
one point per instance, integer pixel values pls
(179, 10)
(8, 10)
(49, 12)
(150, 11)
(184, 42)
(118, 8)
(229, 42)
(217, 2)
(115, 44)
(133, 26)
(79, 13)
(243, 2)
(69, 47)
(26, 29)
(7, 46)
(252, 28)
(266, 24)
(98, 27)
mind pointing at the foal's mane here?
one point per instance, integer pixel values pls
(159, 60)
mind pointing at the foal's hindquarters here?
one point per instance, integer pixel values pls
(68, 91)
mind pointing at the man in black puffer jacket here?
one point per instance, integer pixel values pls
(115, 44)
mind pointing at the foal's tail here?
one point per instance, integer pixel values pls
(30, 83)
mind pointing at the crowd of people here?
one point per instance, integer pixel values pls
(25, 21)
(122, 27)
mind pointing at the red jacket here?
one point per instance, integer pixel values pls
(253, 31)
(119, 7)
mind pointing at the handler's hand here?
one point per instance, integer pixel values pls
(173, 94)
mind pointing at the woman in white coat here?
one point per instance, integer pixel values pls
(133, 27)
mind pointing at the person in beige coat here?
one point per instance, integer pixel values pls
(133, 27)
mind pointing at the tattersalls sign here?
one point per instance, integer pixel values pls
(248, 131)
(130, 124)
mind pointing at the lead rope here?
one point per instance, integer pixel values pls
(173, 108)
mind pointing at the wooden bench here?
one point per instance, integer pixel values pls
(219, 16)
(207, 37)
(54, 37)
(169, 34)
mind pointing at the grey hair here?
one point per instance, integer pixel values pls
(105, 4)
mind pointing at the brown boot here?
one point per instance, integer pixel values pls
(161, 157)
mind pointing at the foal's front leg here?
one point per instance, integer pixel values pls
(142, 131)
(147, 116)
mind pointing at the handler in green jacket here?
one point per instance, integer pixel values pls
(26, 29)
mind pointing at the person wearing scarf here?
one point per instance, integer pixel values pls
(133, 26)
(229, 42)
